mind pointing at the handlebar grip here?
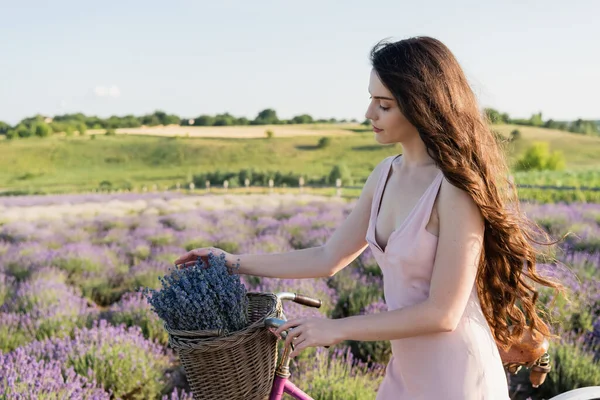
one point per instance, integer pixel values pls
(307, 301)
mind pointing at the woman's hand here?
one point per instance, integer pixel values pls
(311, 332)
(191, 257)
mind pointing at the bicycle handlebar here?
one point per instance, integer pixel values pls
(300, 299)
(296, 298)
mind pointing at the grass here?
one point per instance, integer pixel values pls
(68, 164)
(581, 152)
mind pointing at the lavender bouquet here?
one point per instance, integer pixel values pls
(201, 297)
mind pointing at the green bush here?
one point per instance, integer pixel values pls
(110, 132)
(515, 135)
(12, 134)
(538, 157)
(340, 171)
(324, 142)
(42, 130)
(269, 133)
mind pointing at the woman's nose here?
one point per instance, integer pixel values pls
(368, 113)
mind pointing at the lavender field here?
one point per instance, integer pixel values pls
(73, 326)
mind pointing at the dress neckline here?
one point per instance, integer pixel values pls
(379, 198)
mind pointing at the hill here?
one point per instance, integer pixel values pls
(59, 164)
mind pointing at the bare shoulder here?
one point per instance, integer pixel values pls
(455, 205)
(369, 187)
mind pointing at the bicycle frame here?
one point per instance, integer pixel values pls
(281, 382)
(284, 385)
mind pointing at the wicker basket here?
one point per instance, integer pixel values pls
(240, 365)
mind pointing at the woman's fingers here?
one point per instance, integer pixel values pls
(191, 257)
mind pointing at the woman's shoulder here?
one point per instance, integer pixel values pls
(373, 178)
(454, 201)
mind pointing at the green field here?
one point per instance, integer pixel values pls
(71, 164)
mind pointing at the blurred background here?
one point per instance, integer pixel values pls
(183, 80)
(131, 132)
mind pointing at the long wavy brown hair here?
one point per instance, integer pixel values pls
(433, 93)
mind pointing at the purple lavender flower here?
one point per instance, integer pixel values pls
(199, 298)
(24, 376)
(116, 357)
(134, 310)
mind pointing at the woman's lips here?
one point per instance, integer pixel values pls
(377, 130)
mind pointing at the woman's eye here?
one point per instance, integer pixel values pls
(384, 108)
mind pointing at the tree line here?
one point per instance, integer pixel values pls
(581, 126)
(42, 126)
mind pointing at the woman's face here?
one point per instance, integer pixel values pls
(389, 124)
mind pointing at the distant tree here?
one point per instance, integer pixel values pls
(12, 134)
(150, 120)
(95, 123)
(266, 117)
(79, 117)
(4, 127)
(584, 127)
(366, 122)
(224, 120)
(42, 129)
(82, 129)
(165, 119)
(204, 120)
(493, 116)
(24, 131)
(110, 132)
(113, 122)
(302, 119)
(31, 121)
(58, 126)
(242, 121)
(129, 121)
(536, 119)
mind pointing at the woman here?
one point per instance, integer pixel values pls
(454, 258)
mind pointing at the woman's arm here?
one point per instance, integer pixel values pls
(456, 261)
(346, 243)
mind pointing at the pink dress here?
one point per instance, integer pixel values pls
(461, 365)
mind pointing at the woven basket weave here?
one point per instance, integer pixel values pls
(240, 365)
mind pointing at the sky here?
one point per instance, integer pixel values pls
(208, 57)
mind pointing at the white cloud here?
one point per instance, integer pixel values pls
(114, 91)
(103, 91)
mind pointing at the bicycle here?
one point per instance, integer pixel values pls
(528, 354)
